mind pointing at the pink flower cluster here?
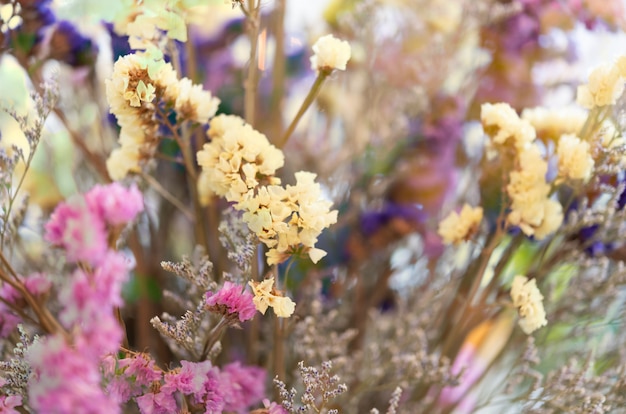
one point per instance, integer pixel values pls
(232, 299)
(80, 224)
(235, 388)
(8, 403)
(36, 284)
(67, 371)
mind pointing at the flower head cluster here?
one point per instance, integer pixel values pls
(233, 389)
(575, 161)
(237, 159)
(37, 284)
(551, 123)
(606, 84)
(456, 228)
(79, 225)
(265, 296)
(330, 53)
(502, 124)
(231, 299)
(239, 164)
(289, 220)
(529, 302)
(140, 82)
(531, 208)
(65, 380)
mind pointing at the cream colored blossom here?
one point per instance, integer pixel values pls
(193, 102)
(529, 302)
(606, 84)
(330, 53)
(443, 15)
(289, 219)
(235, 160)
(123, 161)
(502, 123)
(551, 123)
(266, 296)
(531, 209)
(456, 228)
(575, 161)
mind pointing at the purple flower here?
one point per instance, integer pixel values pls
(157, 403)
(114, 203)
(232, 299)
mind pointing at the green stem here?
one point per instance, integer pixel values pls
(315, 89)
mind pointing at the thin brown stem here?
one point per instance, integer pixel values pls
(168, 196)
(251, 83)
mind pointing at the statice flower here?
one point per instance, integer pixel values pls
(330, 53)
(65, 380)
(265, 296)
(606, 84)
(529, 302)
(9, 403)
(456, 228)
(237, 158)
(551, 123)
(502, 123)
(195, 103)
(289, 219)
(200, 380)
(244, 386)
(79, 230)
(115, 204)
(531, 209)
(231, 300)
(575, 161)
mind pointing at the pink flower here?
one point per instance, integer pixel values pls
(37, 284)
(8, 403)
(157, 403)
(114, 203)
(244, 386)
(78, 230)
(232, 299)
(274, 408)
(202, 381)
(64, 380)
(8, 321)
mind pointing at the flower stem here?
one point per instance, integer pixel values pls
(315, 89)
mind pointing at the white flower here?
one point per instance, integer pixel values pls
(330, 53)
(529, 302)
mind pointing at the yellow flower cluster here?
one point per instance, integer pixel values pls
(456, 228)
(575, 160)
(289, 219)
(137, 81)
(606, 84)
(529, 302)
(531, 209)
(330, 53)
(239, 164)
(551, 123)
(236, 160)
(502, 123)
(266, 296)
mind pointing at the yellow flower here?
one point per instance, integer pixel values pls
(606, 84)
(265, 296)
(529, 302)
(575, 161)
(456, 228)
(502, 123)
(551, 123)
